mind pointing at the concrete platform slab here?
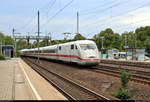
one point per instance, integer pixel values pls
(20, 82)
(6, 80)
(12, 83)
(44, 89)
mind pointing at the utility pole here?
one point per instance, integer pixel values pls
(1, 46)
(28, 38)
(77, 22)
(50, 38)
(102, 42)
(126, 45)
(13, 32)
(135, 47)
(38, 34)
(135, 41)
(102, 48)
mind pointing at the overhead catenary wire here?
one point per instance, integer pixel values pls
(46, 13)
(85, 11)
(59, 11)
(133, 23)
(30, 21)
(96, 21)
(104, 9)
(129, 11)
(53, 3)
(123, 13)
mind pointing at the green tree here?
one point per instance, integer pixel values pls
(79, 37)
(44, 42)
(55, 42)
(1, 38)
(130, 39)
(147, 44)
(21, 44)
(34, 44)
(1, 35)
(7, 40)
(2, 57)
(110, 40)
(142, 33)
(142, 37)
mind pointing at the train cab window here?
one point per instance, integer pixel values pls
(72, 46)
(59, 47)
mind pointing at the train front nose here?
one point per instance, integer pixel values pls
(89, 54)
(92, 57)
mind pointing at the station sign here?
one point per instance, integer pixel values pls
(125, 47)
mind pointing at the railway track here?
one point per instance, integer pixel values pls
(139, 76)
(71, 89)
(127, 63)
(138, 70)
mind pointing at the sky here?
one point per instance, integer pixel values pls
(60, 16)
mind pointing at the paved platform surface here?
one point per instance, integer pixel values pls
(20, 82)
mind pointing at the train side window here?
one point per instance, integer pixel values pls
(76, 47)
(59, 47)
(72, 46)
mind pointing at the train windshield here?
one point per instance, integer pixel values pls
(87, 46)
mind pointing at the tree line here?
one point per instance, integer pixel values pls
(140, 38)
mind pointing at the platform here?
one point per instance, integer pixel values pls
(20, 82)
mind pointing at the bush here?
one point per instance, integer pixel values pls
(122, 92)
(125, 76)
(2, 57)
(17, 54)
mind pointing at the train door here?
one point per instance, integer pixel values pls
(59, 52)
(73, 53)
(66, 53)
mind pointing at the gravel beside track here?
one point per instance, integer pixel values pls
(98, 82)
(76, 91)
(138, 76)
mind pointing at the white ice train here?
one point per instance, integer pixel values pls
(83, 52)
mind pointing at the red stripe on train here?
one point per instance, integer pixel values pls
(96, 59)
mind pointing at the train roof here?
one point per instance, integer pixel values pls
(79, 42)
(55, 46)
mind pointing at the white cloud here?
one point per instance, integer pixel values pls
(139, 17)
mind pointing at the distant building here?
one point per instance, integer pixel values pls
(122, 54)
(7, 50)
(113, 54)
(136, 54)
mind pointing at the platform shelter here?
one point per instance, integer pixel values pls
(7, 50)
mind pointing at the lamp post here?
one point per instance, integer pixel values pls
(102, 42)
(102, 48)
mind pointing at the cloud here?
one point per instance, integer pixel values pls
(138, 18)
